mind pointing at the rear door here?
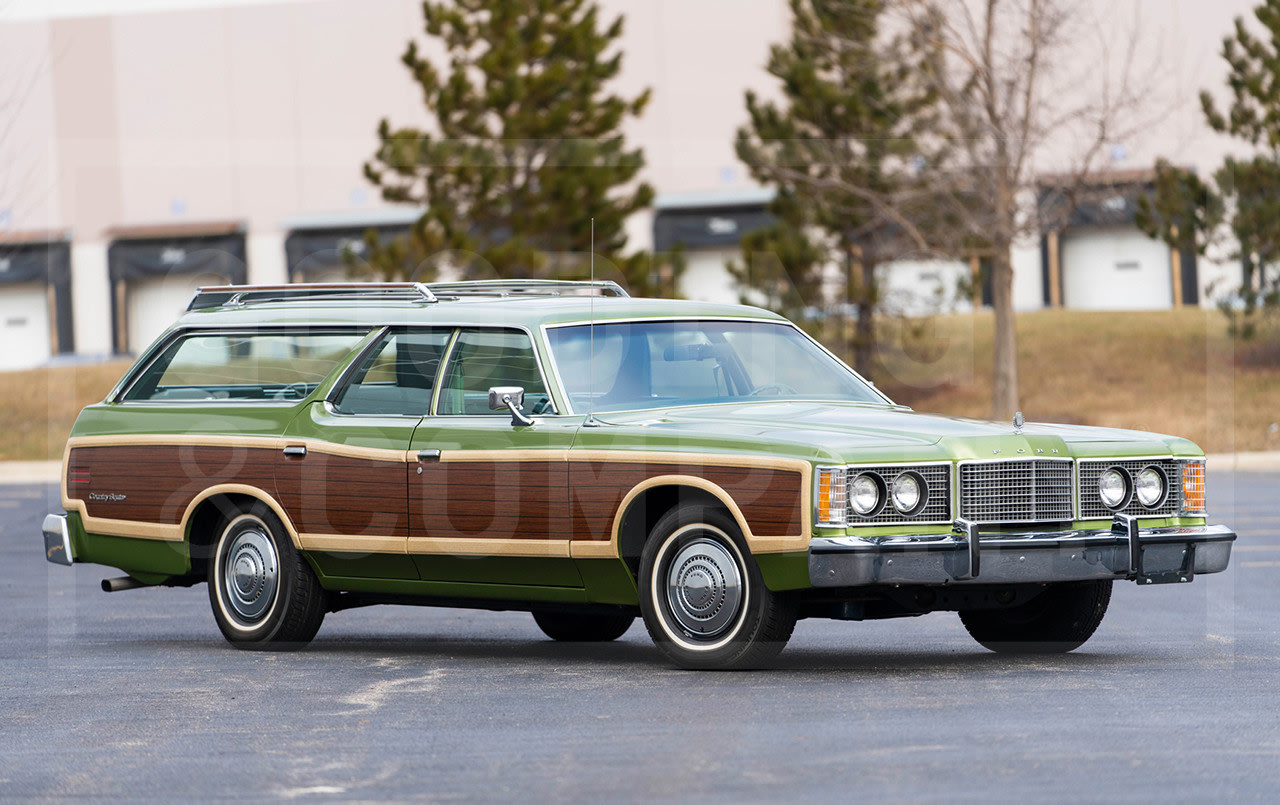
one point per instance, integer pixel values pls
(342, 474)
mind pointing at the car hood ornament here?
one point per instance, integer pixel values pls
(1018, 422)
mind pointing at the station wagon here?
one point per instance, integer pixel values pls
(566, 450)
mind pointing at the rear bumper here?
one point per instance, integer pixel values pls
(1125, 551)
(57, 540)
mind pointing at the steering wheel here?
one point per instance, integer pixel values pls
(771, 390)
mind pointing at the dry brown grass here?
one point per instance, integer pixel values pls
(1173, 372)
(1169, 371)
(40, 405)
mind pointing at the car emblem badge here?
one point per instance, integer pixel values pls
(994, 452)
(1020, 450)
(1038, 450)
(1018, 422)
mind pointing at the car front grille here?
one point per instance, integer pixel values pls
(1026, 491)
(1091, 505)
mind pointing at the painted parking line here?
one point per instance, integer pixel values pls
(1260, 564)
(1256, 548)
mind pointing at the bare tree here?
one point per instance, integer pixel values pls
(1014, 92)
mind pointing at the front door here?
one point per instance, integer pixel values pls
(488, 500)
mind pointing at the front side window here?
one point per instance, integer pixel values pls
(482, 359)
(397, 375)
(266, 366)
(635, 365)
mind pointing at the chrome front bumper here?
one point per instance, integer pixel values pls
(57, 540)
(1125, 551)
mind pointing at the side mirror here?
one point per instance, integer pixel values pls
(512, 399)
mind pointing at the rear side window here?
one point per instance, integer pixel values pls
(243, 367)
(397, 375)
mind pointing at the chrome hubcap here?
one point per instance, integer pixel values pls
(704, 588)
(250, 574)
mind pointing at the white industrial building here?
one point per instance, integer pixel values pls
(154, 151)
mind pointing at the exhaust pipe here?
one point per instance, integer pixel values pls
(121, 584)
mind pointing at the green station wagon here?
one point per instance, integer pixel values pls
(563, 449)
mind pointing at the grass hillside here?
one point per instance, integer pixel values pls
(1173, 372)
(1169, 371)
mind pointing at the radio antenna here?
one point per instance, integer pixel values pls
(591, 346)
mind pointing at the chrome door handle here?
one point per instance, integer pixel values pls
(298, 450)
(428, 455)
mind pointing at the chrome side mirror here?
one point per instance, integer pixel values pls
(512, 399)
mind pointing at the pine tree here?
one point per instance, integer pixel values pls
(524, 150)
(1186, 212)
(839, 150)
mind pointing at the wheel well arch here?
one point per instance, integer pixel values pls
(647, 503)
(209, 508)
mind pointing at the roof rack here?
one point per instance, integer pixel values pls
(529, 288)
(240, 295)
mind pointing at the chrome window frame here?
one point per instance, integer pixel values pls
(447, 356)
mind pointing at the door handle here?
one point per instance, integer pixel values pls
(298, 450)
(428, 455)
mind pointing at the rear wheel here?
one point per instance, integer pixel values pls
(583, 628)
(1058, 620)
(703, 599)
(263, 593)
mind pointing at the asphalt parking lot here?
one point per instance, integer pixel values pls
(135, 695)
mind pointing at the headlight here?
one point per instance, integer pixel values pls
(908, 493)
(1113, 488)
(1149, 487)
(864, 494)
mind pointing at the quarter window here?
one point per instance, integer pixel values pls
(397, 376)
(482, 359)
(243, 367)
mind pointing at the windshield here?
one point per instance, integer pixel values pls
(653, 364)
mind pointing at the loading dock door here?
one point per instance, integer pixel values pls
(24, 325)
(154, 278)
(35, 302)
(317, 255)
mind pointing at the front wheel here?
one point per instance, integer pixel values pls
(703, 599)
(1058, 620)
(263, 593)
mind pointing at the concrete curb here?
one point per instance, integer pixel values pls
(14, 473)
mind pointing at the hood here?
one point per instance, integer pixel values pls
(847, 431)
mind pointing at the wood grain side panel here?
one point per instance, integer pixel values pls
(330, 494)
(156, 483)
(499, 500)
(770, 499)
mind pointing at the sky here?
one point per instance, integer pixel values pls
(46, 9)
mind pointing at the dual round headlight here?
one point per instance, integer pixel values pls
(867, 494)
(1116, 489)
